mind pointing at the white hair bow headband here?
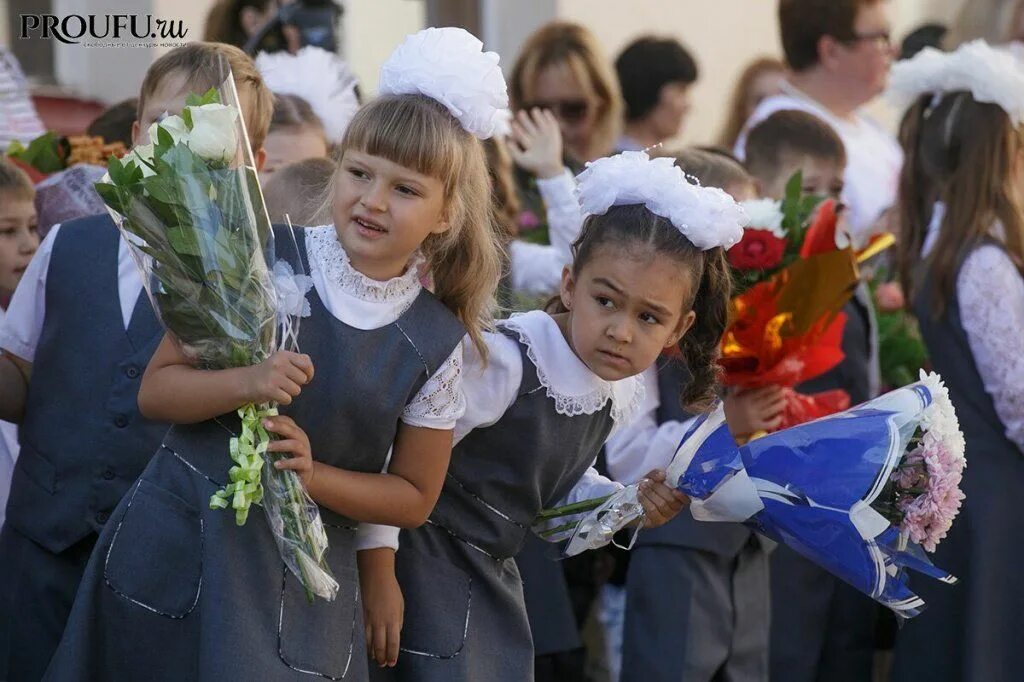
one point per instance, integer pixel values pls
(707, 216)
(450, 66)
(991, 75)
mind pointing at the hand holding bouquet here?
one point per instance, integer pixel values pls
(190, 207)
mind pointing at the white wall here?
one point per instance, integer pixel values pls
(372, 29)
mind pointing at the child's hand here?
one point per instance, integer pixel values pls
(536, 143)
(752, 410)
(383, 605)
(295, 443)
(279, 378)
(889, 297)
(661, 503)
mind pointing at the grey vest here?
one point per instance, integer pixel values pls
(364, 380)
(726, 539)
(503, 475)
(83, 441)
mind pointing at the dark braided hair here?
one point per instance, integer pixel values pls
(633, 228)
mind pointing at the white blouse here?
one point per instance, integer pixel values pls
(643, 444)
(537, 268)
(990, 292)
(490, 390)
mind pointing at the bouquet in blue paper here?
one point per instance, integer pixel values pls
(862, 493)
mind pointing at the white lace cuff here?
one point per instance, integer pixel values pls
(440, 402)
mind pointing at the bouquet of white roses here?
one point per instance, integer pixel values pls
(190, 207)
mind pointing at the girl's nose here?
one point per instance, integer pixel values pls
(620, 331)
(374, 198)
(29, 241)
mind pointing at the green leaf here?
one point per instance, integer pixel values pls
(186, 116)
(115, 169)
(163, 138)
(111, 197)
(184, 241)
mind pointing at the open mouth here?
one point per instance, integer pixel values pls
(369, 225)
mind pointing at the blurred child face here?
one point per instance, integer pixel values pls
(668, 116)
(383, 212)
(624, 309)
(169, 99)
(18, 240)
(766, 84)
(290, 145)
(823, 177)
(742, 191)
(573, 103)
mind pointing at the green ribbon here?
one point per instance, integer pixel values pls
(247, 450)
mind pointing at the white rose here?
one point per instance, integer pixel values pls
(765, 214)
(213, 132)
(173, 125)
(142, 155)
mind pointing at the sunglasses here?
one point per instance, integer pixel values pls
(570, 111)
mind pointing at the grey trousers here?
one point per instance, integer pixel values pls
(823, 630)
(695, 616)
(37, 589)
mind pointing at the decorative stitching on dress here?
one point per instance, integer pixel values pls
(420, 355)
(465, 541)
(110, 549)
(465, 631)
(280, 650)
(486, 504)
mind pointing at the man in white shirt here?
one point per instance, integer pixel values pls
(839, 52)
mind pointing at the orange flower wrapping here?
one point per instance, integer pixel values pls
(761, 348)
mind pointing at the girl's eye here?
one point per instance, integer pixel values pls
(647, 318)
(357, 173)
(7, 231)
(405, 189)
(604, 301)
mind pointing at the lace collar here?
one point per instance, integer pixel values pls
(575, 389)
(327, 254)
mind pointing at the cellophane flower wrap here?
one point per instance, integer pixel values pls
(862, 493)
(190, 207)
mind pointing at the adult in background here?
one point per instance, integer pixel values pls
(656, 76)
(839, 53)
(761, 79)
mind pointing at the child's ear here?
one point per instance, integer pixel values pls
(135, 132)
(260, 158)
(683, 326)
(568, 287)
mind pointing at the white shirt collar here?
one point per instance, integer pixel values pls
(570, 383)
